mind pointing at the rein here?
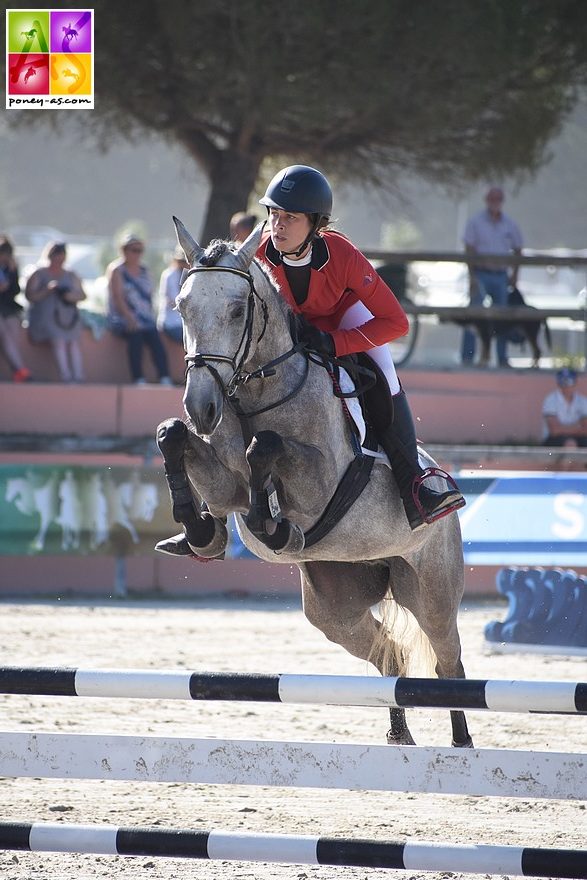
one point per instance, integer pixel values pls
(240, 377)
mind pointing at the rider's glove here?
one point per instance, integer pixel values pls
(316, 340)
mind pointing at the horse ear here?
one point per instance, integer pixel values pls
(190, 246)
(249, 247)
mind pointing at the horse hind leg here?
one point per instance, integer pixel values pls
(434, 603)
(447, 647)
(399, 732)
(337, 599)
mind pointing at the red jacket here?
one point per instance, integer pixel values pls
(341, 276)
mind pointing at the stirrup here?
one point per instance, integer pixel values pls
(446, 502)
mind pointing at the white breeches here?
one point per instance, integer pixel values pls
(360, 314)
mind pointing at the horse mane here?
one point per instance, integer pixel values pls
(218, 248)
(215, 250)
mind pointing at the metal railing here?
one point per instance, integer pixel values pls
(472, 314)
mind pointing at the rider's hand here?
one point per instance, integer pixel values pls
(316, 340)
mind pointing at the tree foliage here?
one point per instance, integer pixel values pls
(364, 89)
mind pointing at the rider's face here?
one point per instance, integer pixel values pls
(288, 230)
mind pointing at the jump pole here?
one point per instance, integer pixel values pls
(333, 690)
(293, 849)
(353, 767)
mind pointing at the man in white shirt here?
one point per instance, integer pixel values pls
(490, 232)
(168, 318)
(565, 413)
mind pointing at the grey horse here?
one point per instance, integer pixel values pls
(266, 438)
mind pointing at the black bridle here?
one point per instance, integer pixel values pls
(240, 376)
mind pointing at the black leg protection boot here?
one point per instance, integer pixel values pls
(422, 504)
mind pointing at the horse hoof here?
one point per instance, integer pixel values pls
(467, 744)
(217, 545)
(171, 437)
(175, 546)
(295, 541)
(400, 739)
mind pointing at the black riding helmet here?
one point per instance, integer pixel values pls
(301, 190)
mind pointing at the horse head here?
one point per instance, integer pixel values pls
(223, 316)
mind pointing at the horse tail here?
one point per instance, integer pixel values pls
(402, 647)
(547, 335)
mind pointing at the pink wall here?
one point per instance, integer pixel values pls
(155, 574)
(451, 406)
(152, 574)
(105, 360)
(478, 406)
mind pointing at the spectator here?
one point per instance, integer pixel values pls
(490, 232)
(130, 309)
(11, 312)
(168, 319)
(565, 412)
(241, 226)
(54, 293)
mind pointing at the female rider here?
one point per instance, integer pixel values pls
(348, 308)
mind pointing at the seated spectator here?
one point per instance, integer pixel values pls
(168, 319)
(565, 412)
(130, 309)
(241, 226)
(54, 292)
(11, 312)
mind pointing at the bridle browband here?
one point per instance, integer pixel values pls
(240, 376)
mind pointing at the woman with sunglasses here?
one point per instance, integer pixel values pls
(11, 313)
(54, 293)
(130, 310)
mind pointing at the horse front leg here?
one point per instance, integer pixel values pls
(206, 535)
(265, 519)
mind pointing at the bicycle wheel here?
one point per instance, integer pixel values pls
(403, 348)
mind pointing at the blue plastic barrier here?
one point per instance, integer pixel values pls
(546, 607)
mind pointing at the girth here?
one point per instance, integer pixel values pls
(353, 482)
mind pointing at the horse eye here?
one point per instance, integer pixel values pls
(237, 312)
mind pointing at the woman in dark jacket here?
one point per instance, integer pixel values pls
(11, 313)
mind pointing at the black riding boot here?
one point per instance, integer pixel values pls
(422, 504)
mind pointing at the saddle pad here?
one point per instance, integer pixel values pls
(354, 407)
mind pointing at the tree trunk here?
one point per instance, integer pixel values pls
(231, 182)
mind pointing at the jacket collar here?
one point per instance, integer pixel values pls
(320, 253)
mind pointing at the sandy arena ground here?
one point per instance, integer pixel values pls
(258, 636)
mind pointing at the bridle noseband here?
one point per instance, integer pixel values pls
(240, 376)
